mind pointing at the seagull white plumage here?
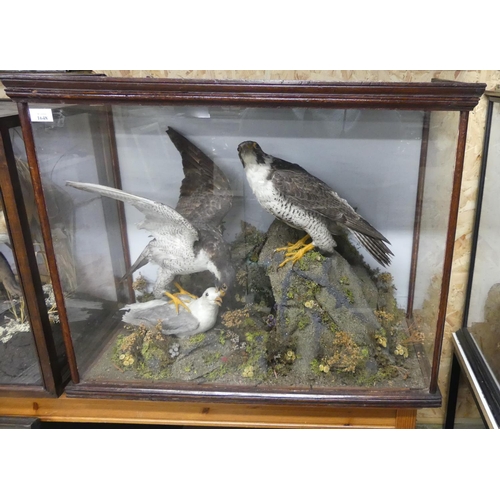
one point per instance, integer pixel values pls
(202, 314)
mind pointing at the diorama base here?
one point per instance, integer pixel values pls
(64, 409)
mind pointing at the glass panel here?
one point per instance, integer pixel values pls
(484, 311)
(467, 413)
(18, 357)
(36, 236)
(333, 318)
(86, 233)
(439, 170)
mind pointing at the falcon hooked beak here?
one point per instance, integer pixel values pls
(250, 150)
(247, 146)
(222, 291)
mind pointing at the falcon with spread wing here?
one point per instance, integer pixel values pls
(186, 239)
(303, 201)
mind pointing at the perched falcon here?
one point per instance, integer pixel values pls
(201, 316)
(303, 201)
(186, 239)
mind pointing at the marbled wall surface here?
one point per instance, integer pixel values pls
(469, 187)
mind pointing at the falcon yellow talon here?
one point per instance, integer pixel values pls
(176, 301)
(293, 247)
(295, 256)
(183, 292)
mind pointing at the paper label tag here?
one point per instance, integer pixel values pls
(41, 115)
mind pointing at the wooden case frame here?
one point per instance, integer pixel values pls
(427, 97)
(24, 254)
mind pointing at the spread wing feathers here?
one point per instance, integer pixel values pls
(312, 194)
(149, 313)
(205, 191)
(160, 219)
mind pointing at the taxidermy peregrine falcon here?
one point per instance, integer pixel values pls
(201, 317)
(186, 239)
(304, 202)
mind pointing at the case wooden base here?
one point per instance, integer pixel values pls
(66, 409)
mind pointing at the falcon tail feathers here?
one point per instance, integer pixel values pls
(377, 248)
(141, 261)
(360, 225)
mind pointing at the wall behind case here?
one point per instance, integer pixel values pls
(469, 183)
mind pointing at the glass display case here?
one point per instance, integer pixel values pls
(32, 355)
(477, 343)
(274, 242)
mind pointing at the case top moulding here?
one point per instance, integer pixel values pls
(423, 96)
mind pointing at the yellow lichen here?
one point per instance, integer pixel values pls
(381, 339)
(248, 372)
(384, 316)
(385, 278)
(242, 277)
(415, 337)
(401, 351)
(309, 304)
(233, 319)
(140, 284)
(347, 354)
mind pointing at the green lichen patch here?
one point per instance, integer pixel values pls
(309, 259)
(217, 373)
(196, 339)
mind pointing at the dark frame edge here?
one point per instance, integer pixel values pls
(23, 391)
(359, 399)
(486, 383)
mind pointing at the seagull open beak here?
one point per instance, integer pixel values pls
(222, 292)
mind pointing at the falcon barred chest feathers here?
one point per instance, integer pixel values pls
(304, 202)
